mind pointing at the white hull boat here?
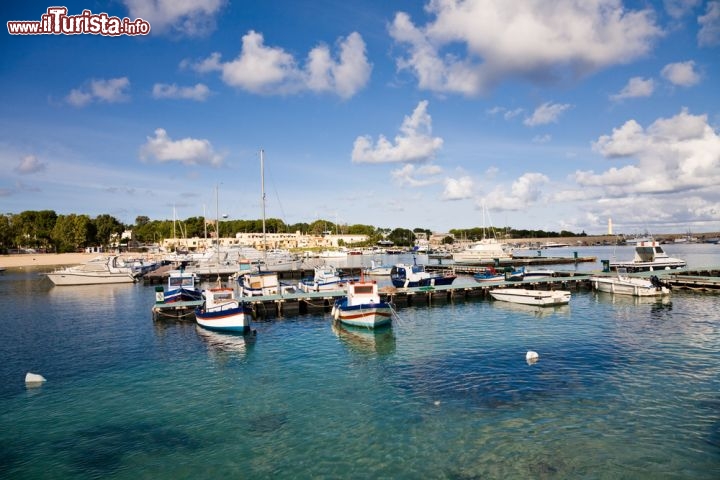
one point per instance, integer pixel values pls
(625, 285)
(649, 256)
(362, 306)
(222, 312)
(99, 270)
(540, 298)
(484, 251)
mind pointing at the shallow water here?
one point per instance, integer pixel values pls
(624, 388)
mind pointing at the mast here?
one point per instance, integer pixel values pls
(262, 201)
(217, 221)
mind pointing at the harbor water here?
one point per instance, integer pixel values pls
(623, 388)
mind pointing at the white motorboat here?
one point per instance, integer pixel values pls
(484, 251)
(622, 284)
(99, 270)
(541, 298)
(649, 256)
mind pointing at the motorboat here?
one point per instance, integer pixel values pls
(362, 306)
(99, 270)
(378, 268)
(489, 274)
(484, 251)
(531, 297)
(623, 284)
(223, 312)
(404, 276)
(649, 256)
(326, 278)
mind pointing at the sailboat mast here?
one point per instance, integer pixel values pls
(217, 220)
(262, 200)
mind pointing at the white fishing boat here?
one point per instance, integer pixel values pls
(540, 298)
(622, 284)
(362, 306)
(649, 256)
(223, 312)
(99, 270)
(378, 268)
(326, 278)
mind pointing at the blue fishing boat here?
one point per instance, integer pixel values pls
(181, 287)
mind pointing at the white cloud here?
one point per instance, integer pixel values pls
(199, 92)
(458, 188)
(673, 154)
(189, 18)
(523, 193)
(542, 138)
(681, 73)
(271, 70)
(534, 40)
(636, 87)
(679, 8)
(546, 113)
(189, 151)
(110, 91)
(414, 143)
(709, 33)
(414, 176)
(30, 164)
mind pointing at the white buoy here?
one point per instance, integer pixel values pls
(531, 357)
(34, 379)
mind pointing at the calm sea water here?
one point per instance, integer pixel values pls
(623, 389)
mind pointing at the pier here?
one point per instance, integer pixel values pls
(300, 303)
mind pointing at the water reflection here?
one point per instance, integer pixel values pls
(226, 345)
(533, 310)
(629, 300)
(380, 341)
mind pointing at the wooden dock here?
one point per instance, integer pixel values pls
(300, 303)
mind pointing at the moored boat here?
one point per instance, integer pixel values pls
(182, 287)
(99, 270)
(326, 278)
(649, 256)
(483, 251)
(223, 312)
(362, 306)
(531, 297)
(404, 276)
(622, 284)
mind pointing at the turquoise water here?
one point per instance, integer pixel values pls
(623, 389)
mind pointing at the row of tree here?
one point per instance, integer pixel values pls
(45, 230)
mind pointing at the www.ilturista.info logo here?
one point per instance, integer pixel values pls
(57, 22)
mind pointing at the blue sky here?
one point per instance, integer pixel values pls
(552, 114)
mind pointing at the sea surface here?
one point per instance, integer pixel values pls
(624, 388)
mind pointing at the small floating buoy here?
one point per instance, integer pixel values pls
(531, 357)
(33, 379)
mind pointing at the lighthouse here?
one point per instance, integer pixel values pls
(610, 226)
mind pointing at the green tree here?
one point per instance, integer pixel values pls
(72, 232)
(402, 237)
(107, 227)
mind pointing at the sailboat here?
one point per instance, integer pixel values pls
(261, 282)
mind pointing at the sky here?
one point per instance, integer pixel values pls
(532, 114)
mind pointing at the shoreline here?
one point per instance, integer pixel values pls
(29, 260)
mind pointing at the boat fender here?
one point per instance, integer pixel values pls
(336, 315)
(531, 357)
(34, 379)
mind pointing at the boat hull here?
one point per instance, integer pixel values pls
(540, 298)
(64, 279)
(425, 282)
(229, 320)
(628, 287)
(371, 315)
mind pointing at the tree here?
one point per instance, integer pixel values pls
(402, 237)
(72, 232)
(107, 227)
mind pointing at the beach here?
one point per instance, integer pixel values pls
(44, 259)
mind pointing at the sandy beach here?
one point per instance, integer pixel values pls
(44, 259)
